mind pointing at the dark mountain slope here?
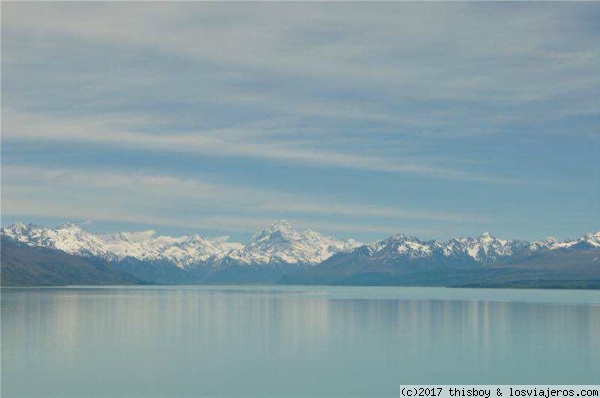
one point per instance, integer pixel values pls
(550, 269)
(22, 265)
(554, 269)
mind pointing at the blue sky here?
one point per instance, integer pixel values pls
(353, 119)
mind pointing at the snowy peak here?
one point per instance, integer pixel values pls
(400, 245)
(484, 249)
(487, 248)
(68, 237)
(69, 226)
(278, 244)
(281, 227)
(18, 230)
(593, 239)
(585, 242)
(145, 245)
(281, 244)
(280, 232)
(183, 251)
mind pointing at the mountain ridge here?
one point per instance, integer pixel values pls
(279, 253)
(279, 243)
(24, 265)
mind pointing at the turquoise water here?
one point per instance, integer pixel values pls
(291, 341)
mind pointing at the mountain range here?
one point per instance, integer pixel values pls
(281, 254)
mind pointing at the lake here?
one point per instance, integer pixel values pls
(274, 341)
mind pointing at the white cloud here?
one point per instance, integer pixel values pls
(399, 48)
(428, 89)
(219, 142)
(141, 198)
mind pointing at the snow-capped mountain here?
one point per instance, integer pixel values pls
(400, 245)
(68, 237)
(282, 244)
(281, 254)
(182, 251)
(278, 244)
(585, 242)
(145, 246)
(485, 249)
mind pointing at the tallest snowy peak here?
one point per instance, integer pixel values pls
(69, 225)
(280, 243)
(280, 230)
(281, 225)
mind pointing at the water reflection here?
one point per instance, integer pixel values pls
(283, 342)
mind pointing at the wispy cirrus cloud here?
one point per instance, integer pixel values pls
(282, 40)
(444, 107)
(140, 197)
(230, 142)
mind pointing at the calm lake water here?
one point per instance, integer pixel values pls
(291, 341)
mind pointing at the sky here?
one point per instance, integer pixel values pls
(352, 119)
